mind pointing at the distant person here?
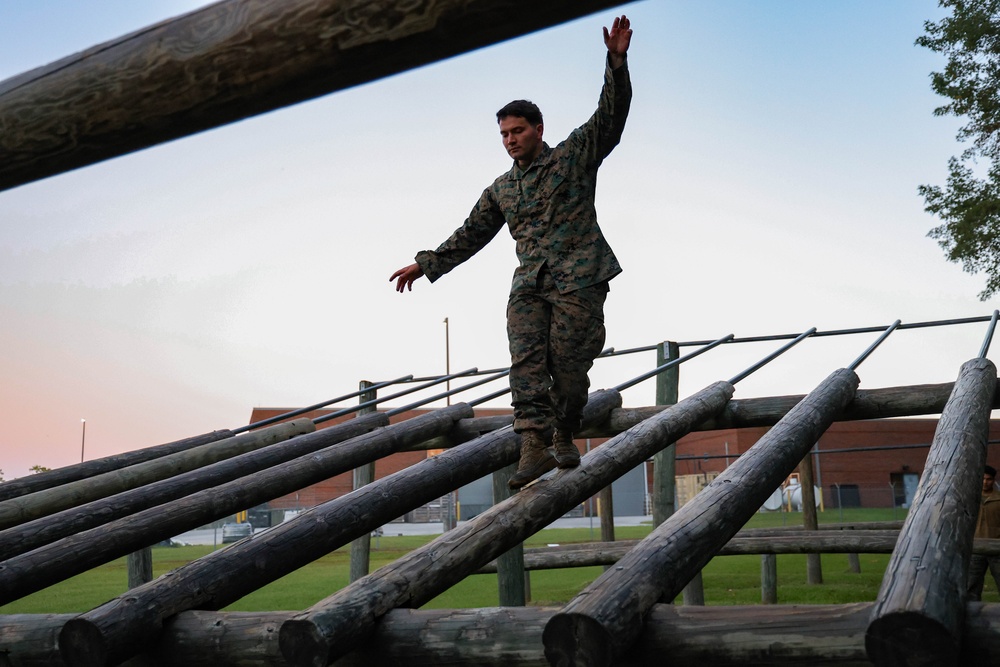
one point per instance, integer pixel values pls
(988, 525)
(555, 313)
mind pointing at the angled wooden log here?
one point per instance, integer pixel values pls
(337, 624)
(232, 60)
(122, 627)
(606, 617)
(71, 555)
(43, 503)
(917, 619)
(34, 534)
(66, 474)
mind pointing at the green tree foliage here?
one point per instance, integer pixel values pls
(38, 469)
(969, 205)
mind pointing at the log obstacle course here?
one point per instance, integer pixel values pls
(237, 58)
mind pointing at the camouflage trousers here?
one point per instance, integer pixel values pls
(554, 339)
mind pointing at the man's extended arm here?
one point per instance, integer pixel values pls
(618, 40)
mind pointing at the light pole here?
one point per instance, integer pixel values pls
(447, 360)
(83, 438)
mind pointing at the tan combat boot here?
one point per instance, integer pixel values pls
(535, 459)
(567, 455)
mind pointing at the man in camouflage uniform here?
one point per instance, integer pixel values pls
(555, 314)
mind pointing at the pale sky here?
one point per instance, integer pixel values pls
(766, 183)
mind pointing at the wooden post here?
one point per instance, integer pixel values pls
(605, 618)
(34, 534)
(854, 563)
(768, 579)
(810, 521)
(43, 503)
(917, 618)
(77, 553)
(334, 626)
(231, 60)
(512, 578)
(140, 567)
(665, 461)
(364, 474)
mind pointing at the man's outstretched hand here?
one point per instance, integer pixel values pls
(405, 276)
(617, 40)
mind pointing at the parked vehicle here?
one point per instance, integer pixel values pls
(234, 532)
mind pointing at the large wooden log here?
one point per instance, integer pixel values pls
(337, 624)
(71, 555)
(728, 636)
(926, 399)
(122, 627)
(64, 475)
(34, 534)
(43, 503)
(232, 60)
(917, 619)
(606, 617)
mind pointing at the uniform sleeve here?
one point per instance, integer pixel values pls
(596, 138)
(479, 228)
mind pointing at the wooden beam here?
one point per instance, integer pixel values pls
(511, 637)
(932, 555)
(53, 478)
(337, 624)
(43, 503)
(72, 555)
(232, 60)
(34, 534)
(600, 623)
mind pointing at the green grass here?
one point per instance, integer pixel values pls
(728, 580)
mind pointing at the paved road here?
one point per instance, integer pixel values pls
(209, 536)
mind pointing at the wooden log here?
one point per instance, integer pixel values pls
(908, 401)
(665, 460)
(768, 579)
(917, 618)
(810, 520)
(232, 60)
(43, 503)
(71, 555)
(365, 474)
(737, 636)
(337, 624)
(604, 620)
(121, 627)
(34, 534)
(509, 566)
(140, 567)
(52, 478)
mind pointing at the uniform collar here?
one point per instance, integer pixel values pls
(543, 158)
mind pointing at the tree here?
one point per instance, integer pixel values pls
(969, 204)
(38, 469)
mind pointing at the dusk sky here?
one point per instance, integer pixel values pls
(766, 183)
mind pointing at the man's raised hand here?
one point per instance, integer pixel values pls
(618, 40)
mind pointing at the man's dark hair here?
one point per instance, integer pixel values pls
(990, 470)
(525, 109)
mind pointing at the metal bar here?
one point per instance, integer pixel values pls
(871, 348)
(489, 397)
(347, 411)
(488, 371)
(412, 406)
(302, 411)
(774, 355)
(670, 364)
(989, 334)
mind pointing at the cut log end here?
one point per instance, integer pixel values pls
(81, 644)
(303, 645)
(910, 640)
(576, 640)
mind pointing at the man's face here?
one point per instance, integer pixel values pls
(522, 140)
(988, 481)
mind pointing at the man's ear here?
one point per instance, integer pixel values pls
(538, 129)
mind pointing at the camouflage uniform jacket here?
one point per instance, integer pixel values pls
(549, 207)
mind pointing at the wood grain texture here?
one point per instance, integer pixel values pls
(232, 60)
(606, 617)
(917, 618)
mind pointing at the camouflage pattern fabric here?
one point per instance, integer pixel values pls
(554, 339)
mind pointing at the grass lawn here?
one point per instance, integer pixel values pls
(728, 580)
